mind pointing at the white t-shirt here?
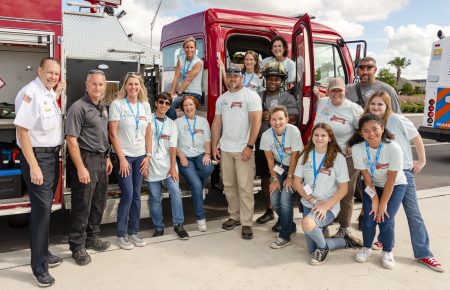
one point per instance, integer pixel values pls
(342, 119)
(160, 160)
(404, 131)
(252, 81)
(292, 143)
(132, 141)
(37, 111)
(234, 109)
(288, 64)
(327, 180)
(202, 134)
(390, 159)
(195, 86)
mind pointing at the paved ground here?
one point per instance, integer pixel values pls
(222, 260)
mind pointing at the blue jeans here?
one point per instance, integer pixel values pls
(155, 202)
(282, 205)
(196, 174)
(313, 238)
(129, 211)
(172, 113)
(417, 230)
(386, 227)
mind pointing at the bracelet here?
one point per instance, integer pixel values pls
(273, 179)
(148, 154)
(208, 154)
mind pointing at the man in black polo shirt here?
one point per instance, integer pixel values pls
(87, 139)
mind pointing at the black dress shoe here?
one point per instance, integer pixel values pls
(267, 216)
(158, 233)
(276, 227)
(43, 280)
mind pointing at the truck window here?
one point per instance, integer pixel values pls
(172, 52)
(328, 63)
(238, 44)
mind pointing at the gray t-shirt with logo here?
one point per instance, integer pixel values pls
(368, 90)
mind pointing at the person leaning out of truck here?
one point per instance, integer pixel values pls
(188, 76)
(130, 135)
(194, 154)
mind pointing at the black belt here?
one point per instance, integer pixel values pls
(46, 149)
(93, 153)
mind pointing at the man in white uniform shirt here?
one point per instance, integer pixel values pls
(236, 123)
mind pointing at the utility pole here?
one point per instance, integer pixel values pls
(153, 24)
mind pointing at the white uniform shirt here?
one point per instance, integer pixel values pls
(292, 143)
(202, 134)
(327, 180)
(253, 82)
(288, 64)
(342, 119)
(390, 159)
(37, 111)
(160, 160)
(404, 131)
(132, 141)
(234, 109)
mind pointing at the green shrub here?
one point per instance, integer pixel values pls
(410, 107)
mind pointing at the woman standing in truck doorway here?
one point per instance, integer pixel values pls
(188, 77)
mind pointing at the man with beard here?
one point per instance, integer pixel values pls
(360, 92)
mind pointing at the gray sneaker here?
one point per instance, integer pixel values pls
(137, 241)
(319, 256)
(280, 243)
(123, 243)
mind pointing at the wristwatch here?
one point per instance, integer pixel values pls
(250, 146)
(290, 176)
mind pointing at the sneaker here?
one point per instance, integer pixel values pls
(388, 260)
(377, 246)
(204, 192)
(346, 234)
(276, 227)
(54, 261)
(158, 233)
(81, 257)
(123, 243)
(363, 254)
(340, 233)
(432, 263)
(201, 225)
(230, 224)
(136, 240)
(280, 243)
(351, 242)
(319, 256)
(181, 232)
(267, 216)
(247, 233)
(326, 232)
(97, 244)
(44, 280)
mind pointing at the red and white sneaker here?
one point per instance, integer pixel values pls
(377, 246)
(432, 263)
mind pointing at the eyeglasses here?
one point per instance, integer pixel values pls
(96, 71)
(162, 102)
(366, 66)
(131, 73)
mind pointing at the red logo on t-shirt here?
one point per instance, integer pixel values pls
(143, 118)
(198, 131)
(337, 119)
(166, 137)
(236, 104)
(382, 166)
(325, 171)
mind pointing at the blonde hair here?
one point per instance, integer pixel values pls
(190, 39)
(142, 95)
(386, 99)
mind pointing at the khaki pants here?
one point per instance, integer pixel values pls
(238, 177)
(345, 215)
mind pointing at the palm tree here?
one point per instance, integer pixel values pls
(399, 63)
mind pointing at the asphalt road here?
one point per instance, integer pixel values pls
(435, 174)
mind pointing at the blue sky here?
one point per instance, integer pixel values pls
(391, 27)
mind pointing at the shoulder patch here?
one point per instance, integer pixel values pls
(27, 99)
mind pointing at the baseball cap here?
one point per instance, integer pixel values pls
(336, 83)
(234, 70)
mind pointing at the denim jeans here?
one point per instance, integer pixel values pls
(172, 113)
(196, 174)
(417, 230)
(155, 202)
(129, 211)
(387, 227)
(282, 205)
(311, 240)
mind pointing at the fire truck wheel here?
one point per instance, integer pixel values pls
(19, 221)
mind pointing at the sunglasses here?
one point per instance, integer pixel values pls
(162, 102)
(367, 66)
(134, 74)
(96, 71)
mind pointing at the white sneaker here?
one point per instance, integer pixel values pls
(123, 243)
(204, 192)
(388, 260)
(201, 225)
(137, 241)
(362, 255)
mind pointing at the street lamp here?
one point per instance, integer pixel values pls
(153, 24)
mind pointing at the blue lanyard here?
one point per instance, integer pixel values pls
(373, 165)
(280, 152)
(136, 117)
(186, 69)
(158, 135)
(317, 169)
(191, 130)
(249, 81)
